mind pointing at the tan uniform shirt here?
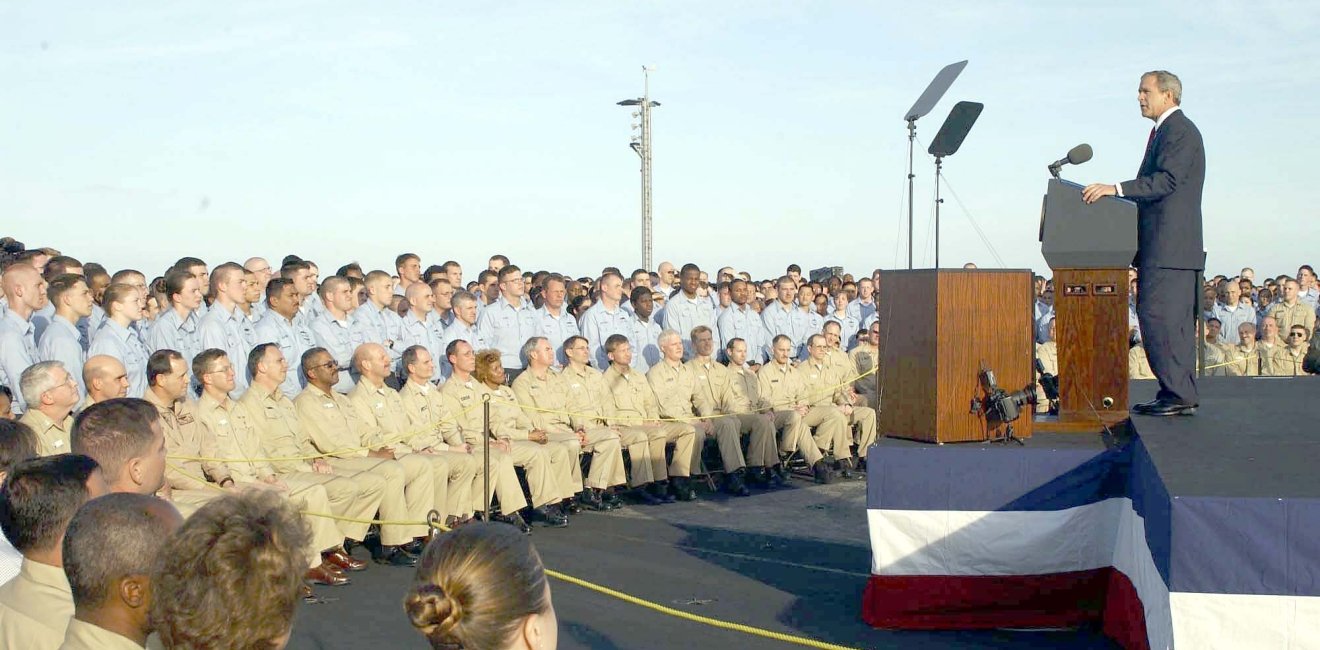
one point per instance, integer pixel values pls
(85, 636)
(820, 383)
(276, 422)
(781, 385)
(1138, 366)
(463, 398)
(35, 608)
(744, 392)
(182, 438)
(52, 437)
(675, 388)
(426, 409)
(381, 408)
(713, 384)
(1288, 362)
(1270, 357)
(1298, 314)
(330, 422)
(633, 399)
(1246, 362)
(589, 399)
(550, 395)
(235, 438)
(507, 420)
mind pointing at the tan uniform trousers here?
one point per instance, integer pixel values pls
(188, 501)
(546, 468)
(684, 437)
(356, 496)
(832, 431)
(452, 474)
(793, 436)
(503, 482)
(760, 430)
(642, 444)
(407, 496)
(603, 444)
(311, 501)
(724, 429)
(863, 422)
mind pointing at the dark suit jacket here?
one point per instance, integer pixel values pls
(1168, 195)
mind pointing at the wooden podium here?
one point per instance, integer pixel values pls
(1090, 248)
(945, 325)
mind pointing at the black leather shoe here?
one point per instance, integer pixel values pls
(414, 547)
(514, 520)
(394, 556)
(660, 491)
(591, 500)
(822, 473)
(682, 488)
(847, 471)
(733, 484)
(776, 478)
(1145, 406)
(1165, 409)
(549, 517)
(569, 507)
(757, 477)
(643, 494)
(612, 500)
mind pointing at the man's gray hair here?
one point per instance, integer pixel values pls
(36, 380)
(463, 298)
(530, 346)
(667, 336)
(1167, 82)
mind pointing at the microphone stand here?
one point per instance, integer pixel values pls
(939, 165)
(912, 136)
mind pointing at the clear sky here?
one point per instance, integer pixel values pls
(134, 133)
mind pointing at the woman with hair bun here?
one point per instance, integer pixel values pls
(482, 587)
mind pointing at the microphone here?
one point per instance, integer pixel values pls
(1076, 156)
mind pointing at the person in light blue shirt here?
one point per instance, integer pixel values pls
(849, 324)
(221, 327)
(376, 321)
(605, 318)
(688, 308)
(333, 329)
(117, 338)
(463, 328)
(25, 290)
(1231, 312)
(863, 307)
(61, 340)
(507, 323)
(556, 324)
(645, 335)
(442, 316)
(416, 327)
(176, 327)
(197, 269)
(805, 320)
(778, 315)
(740, 321)
(283, 325)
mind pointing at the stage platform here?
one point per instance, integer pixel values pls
(792, 561)
(1189, 532)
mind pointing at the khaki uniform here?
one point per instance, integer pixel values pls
(1298, 314)
(35, 607)
(464, 400)
(676, 396)
(85, 636)
(550, 394)
(1216, 358)
(590, 404)
(744, 395)
(355, 495)
(632, 403)
(1285, 362)
(426, 409)
(1138, 366)
(1245, 362)
(821, 382)
(52, 436)
(714, 382)
(782, 386)
(187, 479)
(865, 357)
(1270, 356)
(237, 438)
(1048, 354)
(331, 424)
(381, 407)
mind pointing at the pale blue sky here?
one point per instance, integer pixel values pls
(133, 133)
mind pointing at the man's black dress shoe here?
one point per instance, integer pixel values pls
(548, 516)
(1165, 408)
(394, 556)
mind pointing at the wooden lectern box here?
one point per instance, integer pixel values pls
(939, 327)
(1090, 248)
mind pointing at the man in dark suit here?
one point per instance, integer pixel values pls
(1170, 253)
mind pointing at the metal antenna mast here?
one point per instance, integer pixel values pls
(641, 144)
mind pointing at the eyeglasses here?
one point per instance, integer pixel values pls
(329, 365)
(1297, 334)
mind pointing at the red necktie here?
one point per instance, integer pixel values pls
(1150, 139)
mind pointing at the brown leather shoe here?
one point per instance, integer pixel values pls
(343, 561)
(326, 575)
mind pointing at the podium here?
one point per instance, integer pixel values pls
(1089, 248)
(939, 327)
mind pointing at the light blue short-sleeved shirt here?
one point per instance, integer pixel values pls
(381, 326)
(458, 331)
(178, 333)
(599, 324)
(418, 331)
(744, 323)
(557, 329)
(338, 337)
(222, 328)
(778, 320)
(18, 350)
(294, 338)
(645, 341)
(506, 328)
(123, 343)
(683, 314)
(62, 342)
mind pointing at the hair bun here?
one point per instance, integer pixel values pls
(435, 613)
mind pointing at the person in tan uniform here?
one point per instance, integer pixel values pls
(124, 436)
(1216, 353)
(111, 583)
(677, 398)
(745, 396)
(465, 394)
(715, 386)
(105, 378)
(40, 496)
(1292, 311)
(591, 405)
(352, 495)
(542, 389)
(381, 408)
(426, 409)
(50, 393)
(330, 423)
(634, 404)
(782, 386)
(865, 357)
(186, 480)
(239, 445)
(1289, 360)
(1270, 346)
(1138, 365)
(1244, 357)
(824, 384)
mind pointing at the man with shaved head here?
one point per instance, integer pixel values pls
(109, 549)
(375, 321)
(417, 324)
(333, 327)
(260, 268)
(25, 291)
(105, 378)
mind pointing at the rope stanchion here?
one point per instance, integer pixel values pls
(485, 457)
